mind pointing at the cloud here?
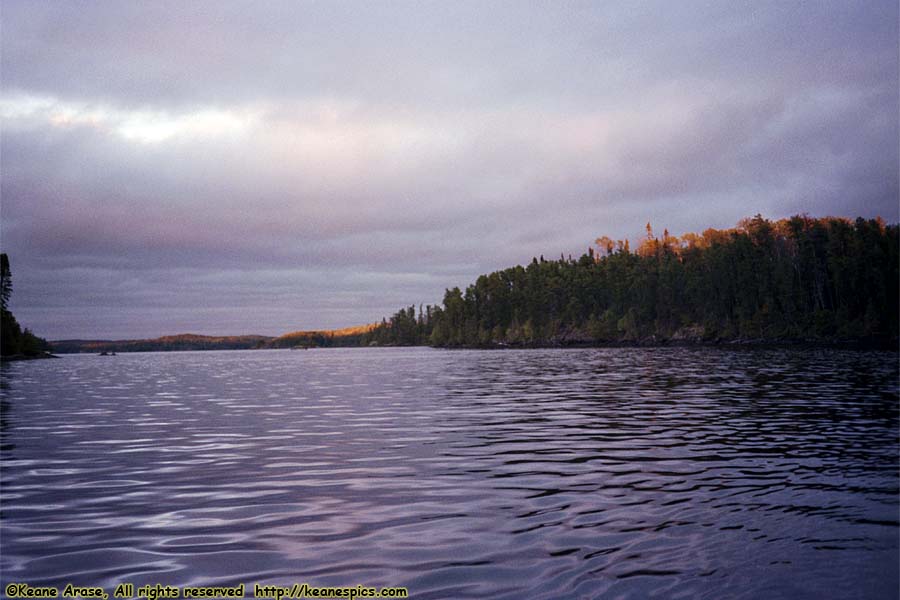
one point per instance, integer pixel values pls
(228, 168)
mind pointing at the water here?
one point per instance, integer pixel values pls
(541, 474)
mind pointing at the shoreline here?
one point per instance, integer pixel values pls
(881, 344)
(866, 343)
(19, 357)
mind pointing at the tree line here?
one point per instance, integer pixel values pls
(13, 339)
(799, 278)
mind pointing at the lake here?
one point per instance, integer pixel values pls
(540, 474)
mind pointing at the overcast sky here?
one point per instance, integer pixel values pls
(261, 167)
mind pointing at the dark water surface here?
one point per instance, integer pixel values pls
(540, 474)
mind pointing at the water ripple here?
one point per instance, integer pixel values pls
(623, 473)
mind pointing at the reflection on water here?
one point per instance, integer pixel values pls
(696, 473)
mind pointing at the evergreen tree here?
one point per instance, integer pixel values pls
(13, 340)
(797, 278)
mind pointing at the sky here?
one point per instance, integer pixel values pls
(261, 167)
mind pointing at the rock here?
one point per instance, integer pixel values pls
(691, 333)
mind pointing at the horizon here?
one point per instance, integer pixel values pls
(226, 335)
(229, 169)
(632, 241)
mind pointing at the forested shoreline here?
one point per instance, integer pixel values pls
(324, 338)
(801, 279)
(15, 342)
(797, 280)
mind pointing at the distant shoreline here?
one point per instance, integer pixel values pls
(18, 357)
(126, 346)
(348, 336)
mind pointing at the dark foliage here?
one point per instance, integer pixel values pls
(162, 344)
(405, 328)
(14, 340)
(801, 278)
